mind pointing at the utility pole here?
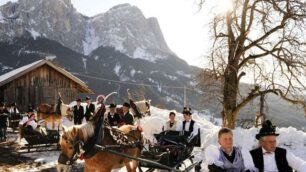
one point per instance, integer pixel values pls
(185, 97)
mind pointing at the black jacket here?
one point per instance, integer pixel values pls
(113, 120)
(89, 111)
(3, 120)
(280, 158)
(128, 119)
(78, 114)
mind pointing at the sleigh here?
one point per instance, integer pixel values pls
(42, 142)
(172, 152)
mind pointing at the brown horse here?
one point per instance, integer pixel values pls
(49, 114)
(102, 161)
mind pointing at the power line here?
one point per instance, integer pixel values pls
(134, 83)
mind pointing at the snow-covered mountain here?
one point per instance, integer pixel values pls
(120, 44)
(123, 27)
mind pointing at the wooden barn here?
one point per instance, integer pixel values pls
(40, 82)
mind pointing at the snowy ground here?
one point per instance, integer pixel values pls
(290, 138)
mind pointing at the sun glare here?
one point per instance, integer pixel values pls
(223, 6)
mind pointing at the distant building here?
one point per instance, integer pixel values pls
(40, 82)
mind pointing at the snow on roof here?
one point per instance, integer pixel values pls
(17, 71)
(8, 77)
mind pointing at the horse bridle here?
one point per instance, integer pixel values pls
(77, 144)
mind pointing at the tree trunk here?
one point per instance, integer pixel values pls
(230, 91)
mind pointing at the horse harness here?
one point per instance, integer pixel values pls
(88, 150)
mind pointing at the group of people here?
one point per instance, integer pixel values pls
(188, 125)
(6, 112)
(112, 117)
(266, 158)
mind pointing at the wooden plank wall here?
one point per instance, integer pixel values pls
(38, 86)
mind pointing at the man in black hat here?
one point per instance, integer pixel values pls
(90, 109)
(78, 113)
(12, 109)
(127, 118)
(269, 157)
(189, 126)
(113, 117)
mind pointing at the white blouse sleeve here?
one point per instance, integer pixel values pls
(23, 120)
(195, 129)
(295, 162)
(179, 126)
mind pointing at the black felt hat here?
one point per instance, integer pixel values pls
(78, 100)
(87, 98)
(126, 104)
(268, 129)
(112, 105)
(187, 111)
(30, 110)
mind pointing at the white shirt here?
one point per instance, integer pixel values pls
(11, 110)
(25, 119)
(187, 125)
(269, 161)
(294, 162)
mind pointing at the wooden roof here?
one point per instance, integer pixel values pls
(14, 74)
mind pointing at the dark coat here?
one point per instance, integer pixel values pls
(78, 115)
(115, 120)
(128, 119)
(3, 120)
(280, 158)
(89, 111)
(214, 168)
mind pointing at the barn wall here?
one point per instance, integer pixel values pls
(38, 86)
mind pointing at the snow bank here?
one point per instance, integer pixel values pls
(290, 138)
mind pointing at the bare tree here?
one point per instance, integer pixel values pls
(263, 40)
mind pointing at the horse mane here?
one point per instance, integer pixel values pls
(85, 130)
(127, 128)
(142, 105)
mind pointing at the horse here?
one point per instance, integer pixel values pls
(53, 113)
(101, 161)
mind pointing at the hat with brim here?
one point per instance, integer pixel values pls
(87, 98)
(30, 110)
(126, 105)
(187, 111)
(112, 105)
(78, 100)
(268, 129)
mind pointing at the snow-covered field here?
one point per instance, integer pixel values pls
(290, 138)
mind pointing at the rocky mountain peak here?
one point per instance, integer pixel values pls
(123, 27)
